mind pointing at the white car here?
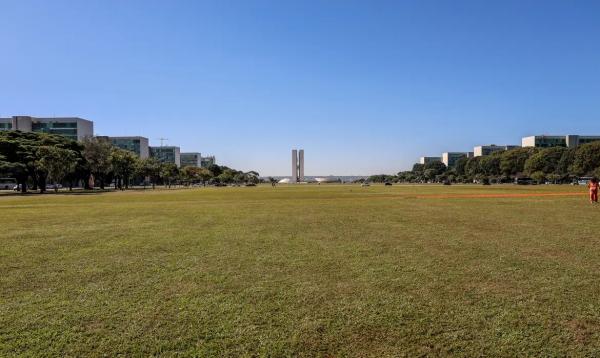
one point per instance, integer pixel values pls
(365, 184)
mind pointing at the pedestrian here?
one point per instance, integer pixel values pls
(593, 186)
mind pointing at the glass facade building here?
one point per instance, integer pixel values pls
(167, 154)
(70, 127)
(137, 145)
(569, 141)
(208, 161)
(191, 160)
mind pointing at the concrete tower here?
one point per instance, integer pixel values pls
(294, 166)
(301, 165)
(297, 166)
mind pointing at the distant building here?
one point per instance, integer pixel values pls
(192, 159)
(483, 150)
(167, 154)
(297, 166)
(74, 128)
(206, 162)
(450, 158)
(137, 145)
(568, 141)
(425, 160)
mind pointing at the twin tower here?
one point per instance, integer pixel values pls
(297, 166)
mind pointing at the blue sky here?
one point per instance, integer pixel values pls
(364, 87)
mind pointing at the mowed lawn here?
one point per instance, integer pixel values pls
(330, 270)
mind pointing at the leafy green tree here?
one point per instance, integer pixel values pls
(57, 162)
(566, 162)
(539, 176)
(587, 159)
(123, 164)
(418, 168)
(97, 153)
(205, 175)
(459, 166)
(151, 168)
(512, 162)
(169, 173)
(215, 170)
(473, 169)
(21, 155)
(437, 166)
(546, 161)
(225, 177)
(490, 165)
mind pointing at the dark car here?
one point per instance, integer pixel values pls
(387, 184)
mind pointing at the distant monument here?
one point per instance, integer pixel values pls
(297, 166)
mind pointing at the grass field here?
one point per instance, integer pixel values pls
(334, 270)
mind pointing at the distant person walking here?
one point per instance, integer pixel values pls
(593, 186)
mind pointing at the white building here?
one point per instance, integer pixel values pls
(71, 127)
(425, 160)
(483, 150)
(569, 141)
(450, 158)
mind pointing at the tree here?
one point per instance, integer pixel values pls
(205, 175)
(490, 165)
(21, 155)
(123, 164)
(587, 159)
(97, 152)
(57, 162)
(436, 166)
(459, 166)
(215, 170)
(149, 167)
(512, 162)
(418, 168)
(546, 161)
(473, 169)
(169, 172)
(539, 176)
(191, 174)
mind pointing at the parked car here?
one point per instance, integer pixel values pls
(524, 181)
(583, 180)
(365, 184)
(387, 183)
(7, 183)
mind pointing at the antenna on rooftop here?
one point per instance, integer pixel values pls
(162, 140)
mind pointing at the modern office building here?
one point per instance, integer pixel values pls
(206, 162)
(483, 150)
(425, 160)
(192, 159)
(138, 145)
(297, 166)
(450, 158)
(569, 141)
(71, 127)
(167, 154)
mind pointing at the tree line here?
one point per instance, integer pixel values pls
(37, 159)
(555, 164)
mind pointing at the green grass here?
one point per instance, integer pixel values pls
(300, 271)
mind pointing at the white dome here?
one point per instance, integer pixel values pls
(284, 181)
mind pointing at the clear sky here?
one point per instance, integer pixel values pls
(364, 87)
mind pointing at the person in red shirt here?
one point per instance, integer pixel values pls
(593, 186)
